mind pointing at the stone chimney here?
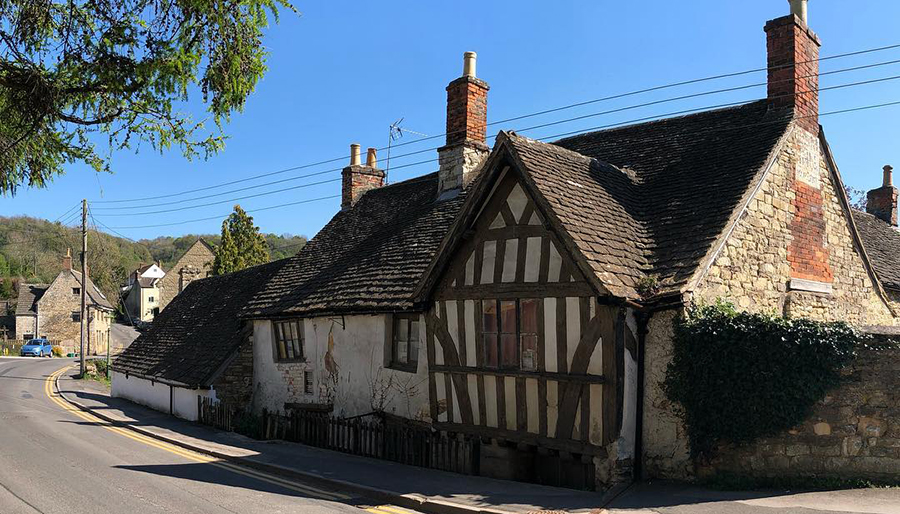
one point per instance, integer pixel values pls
(358, 178)
(794, 66)
(465, 149)
(67, 260)
(882, 202)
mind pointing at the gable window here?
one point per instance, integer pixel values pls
(510, 334)
(405, 342)
(76, 290)
(288, 341)
(76, 316)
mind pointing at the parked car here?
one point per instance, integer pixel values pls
(37, 348)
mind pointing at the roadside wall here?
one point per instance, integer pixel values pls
(182, 403)
(854, 432)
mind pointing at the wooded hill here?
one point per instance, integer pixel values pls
(32, 249)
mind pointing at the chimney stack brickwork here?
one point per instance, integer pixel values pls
(794, 69)
(882, 202)
(465, 149)
(356, 180)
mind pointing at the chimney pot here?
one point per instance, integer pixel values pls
(354, 154)
(882, 202)
(888, 176)
(371, 158)
(469, 59)
(800, 9)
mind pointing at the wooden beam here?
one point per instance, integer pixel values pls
(451, 358)
(512, 290)
(514, 232)
(499, 372)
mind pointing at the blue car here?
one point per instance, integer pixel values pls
(37, 348)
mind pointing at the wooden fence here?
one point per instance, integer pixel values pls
(406, 444)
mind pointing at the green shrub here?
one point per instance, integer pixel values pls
(738, 377)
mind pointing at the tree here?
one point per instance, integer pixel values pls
(72, 70)
(242, 245)
(857, 198)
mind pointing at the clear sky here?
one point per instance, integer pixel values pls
(343, 71)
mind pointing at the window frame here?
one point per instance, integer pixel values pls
(519, 335)
(277, 340)
(76, 291)
(76, 316)
(390, 343)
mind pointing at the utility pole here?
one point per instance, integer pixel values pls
(84, 280)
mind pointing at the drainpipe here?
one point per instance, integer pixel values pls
(643, 319)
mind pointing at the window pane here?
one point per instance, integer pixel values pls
(529, 352)
(489, 313)
(490, 350)
(402, 352)
(508, 351)
(414, 331)
(298, 350)
(529, 313)
(401, 329)
(508, 317)
(413, 351)
(282, 354)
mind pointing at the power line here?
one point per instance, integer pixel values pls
(223, 216)
(524, 116)
(534, 127)
(614, 111)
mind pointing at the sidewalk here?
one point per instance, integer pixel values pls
(405, 486)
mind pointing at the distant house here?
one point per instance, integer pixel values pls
(54, 311)
(197, 347)
(196, 263)
(142, 292)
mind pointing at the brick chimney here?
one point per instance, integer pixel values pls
(67, 260)
(359, 178)
(465, 149)
(794, 66)
(882, 202)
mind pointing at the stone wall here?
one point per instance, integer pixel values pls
(55, 311)
(235, 384)
(757, 266)
(854, 432)
(195, 264)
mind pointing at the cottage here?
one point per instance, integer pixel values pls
(197, 348)
(196, 263)
(141, 293)
(54, 312)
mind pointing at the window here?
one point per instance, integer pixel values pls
(27, 337)
(308, 382)
(510, 334)
(151, 299)
(76, 290)
(76, 316)
(288, 341)
(405, 342)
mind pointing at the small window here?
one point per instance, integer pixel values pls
(76, 316)
(510, 334)
(288, 341)
(308, 382)
(28, 337)
(151, 299)
(76, 290)
(405, 342)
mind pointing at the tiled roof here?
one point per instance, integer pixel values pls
(673, 188)
(882, 244)
(198, 331)
(29, 294)
(367, 258)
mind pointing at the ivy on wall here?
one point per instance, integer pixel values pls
(737, 377)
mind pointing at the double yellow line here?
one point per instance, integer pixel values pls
(389, 509)
(187, 454)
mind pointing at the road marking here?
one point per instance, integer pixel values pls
(190, 455)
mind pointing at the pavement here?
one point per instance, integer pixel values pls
(215, 457)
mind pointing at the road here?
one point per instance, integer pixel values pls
(121, 336)
(53, 460)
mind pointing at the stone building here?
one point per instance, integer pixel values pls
(195, 264)
(54, 312)
(525, 295)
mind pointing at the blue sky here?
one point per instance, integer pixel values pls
(343, 71)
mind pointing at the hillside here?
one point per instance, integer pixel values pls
(32, 250)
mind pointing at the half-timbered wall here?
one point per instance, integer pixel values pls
(562, 389)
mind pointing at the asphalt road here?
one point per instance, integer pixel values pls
(55, 461)
(122, 336)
